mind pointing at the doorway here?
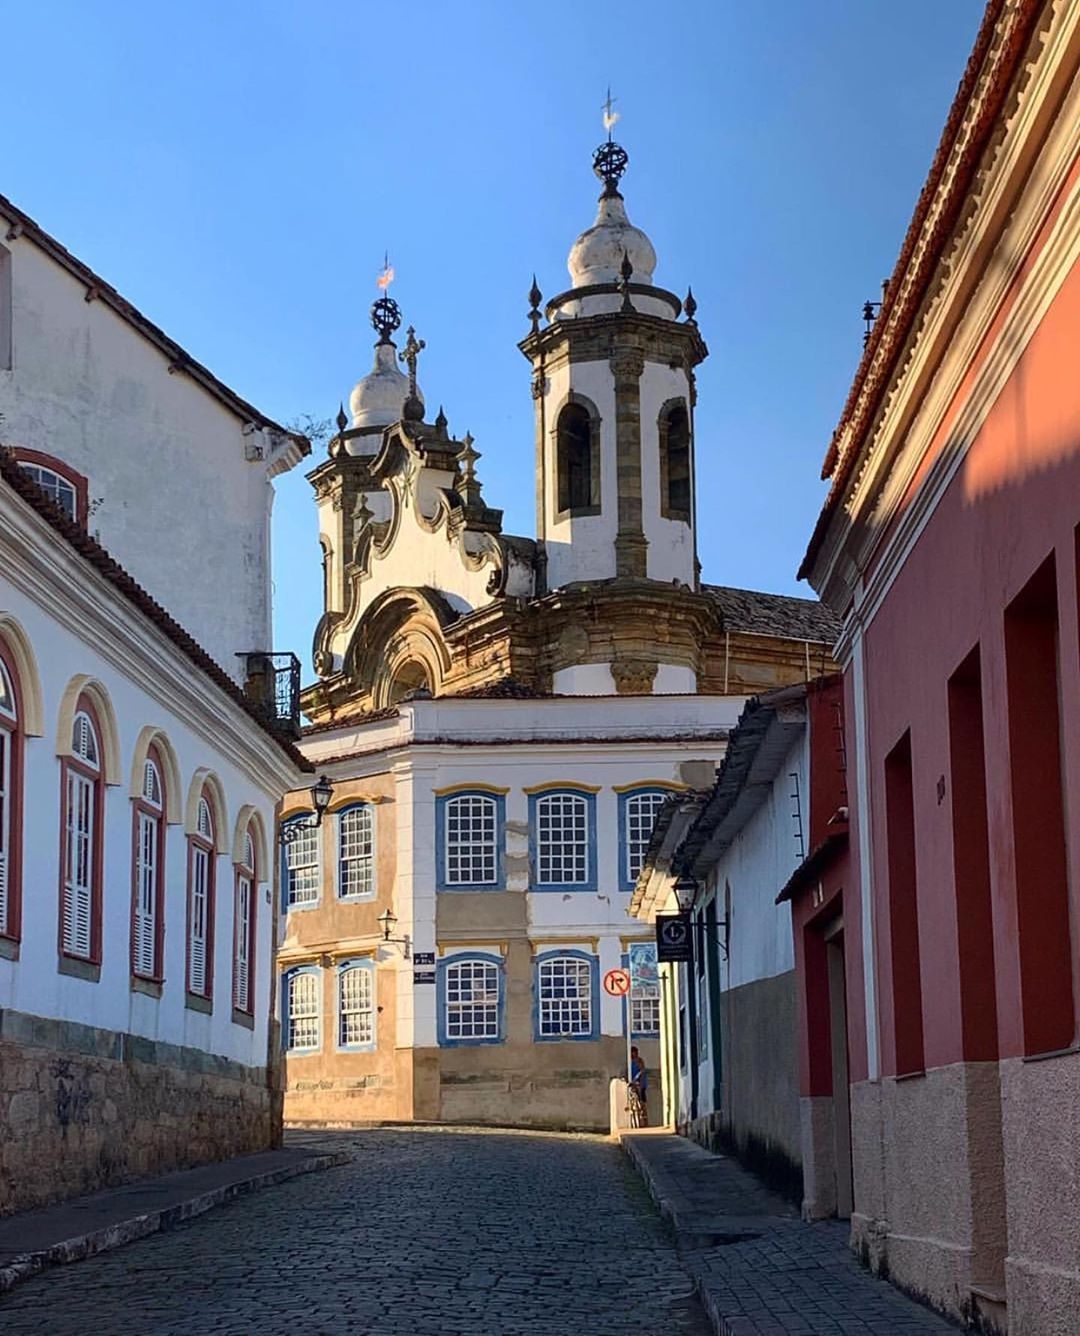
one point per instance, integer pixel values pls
(833, 935)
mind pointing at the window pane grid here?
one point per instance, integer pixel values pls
(356, 845)
(641, 810)
(471, 833)
(472, 1000)
(645, 1013)
(565, 988)
(562, 835)
(355, 1008)
(303, 1019)
(58, 489)
(302, 867)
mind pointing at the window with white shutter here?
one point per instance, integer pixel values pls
(244, 929)
(148, 891)
(82, 815)
(9, 721)
(200, 902)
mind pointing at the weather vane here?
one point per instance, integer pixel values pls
(610, 115)
(386, 277)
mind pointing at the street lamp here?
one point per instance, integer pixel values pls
(388, 922)
(321, 793)
(686, 889)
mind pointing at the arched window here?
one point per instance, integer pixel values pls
(11, 780)
(567, 989)
(637, 815)
(675, 499)
(562, 829)
(61, 484)
(411, 676)
(469, 840)
(82, 799)
(148, 892)
(200, 908)
(301, 991)
(471, 1000)
(247, 875)
(356, 1004)
(356, 852)
(577, 453)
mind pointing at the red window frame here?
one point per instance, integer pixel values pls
(248, 871)
(11, 929)
(70, 763)
(141, 806)
(202, 844)
(62, 470)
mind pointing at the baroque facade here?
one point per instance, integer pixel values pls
(138, 782)
(501, 716)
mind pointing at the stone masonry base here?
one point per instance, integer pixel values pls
(83, 1109)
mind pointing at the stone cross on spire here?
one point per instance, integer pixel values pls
(413, 408)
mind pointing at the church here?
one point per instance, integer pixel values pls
(501, 716)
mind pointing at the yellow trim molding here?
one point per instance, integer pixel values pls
(500, 942)
(546, 942)
(671, 784)
(563, 784)
(471, 788)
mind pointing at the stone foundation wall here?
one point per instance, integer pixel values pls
(83, 1109)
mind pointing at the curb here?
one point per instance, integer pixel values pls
(81, 1246)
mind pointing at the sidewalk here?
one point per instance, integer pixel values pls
(759, 1269)
(82, 1226)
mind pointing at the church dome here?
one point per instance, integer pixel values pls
(597, 255)
(378, 398)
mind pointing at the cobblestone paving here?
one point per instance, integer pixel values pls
(425, 1232)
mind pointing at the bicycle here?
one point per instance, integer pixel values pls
(636, 1107)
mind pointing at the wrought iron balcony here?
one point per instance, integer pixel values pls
(272, 684)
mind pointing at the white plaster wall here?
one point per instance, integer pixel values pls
(757, 865)
(584, 548)
(31, 983)
(671, 543)
(673, 679)
(173, 497)
(584, 679)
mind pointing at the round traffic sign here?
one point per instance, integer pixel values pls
(617, 983)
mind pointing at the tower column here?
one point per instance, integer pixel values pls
(627, 366)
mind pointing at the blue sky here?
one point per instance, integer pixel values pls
(237, 170)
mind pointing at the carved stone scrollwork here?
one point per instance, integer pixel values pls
(634, 677)
(627, 364)
(540, 386)
(324, 663)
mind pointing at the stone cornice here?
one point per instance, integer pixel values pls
(594, 338)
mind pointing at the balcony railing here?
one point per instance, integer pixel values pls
(272, 684)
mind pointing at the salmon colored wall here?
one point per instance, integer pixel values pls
(1015, 501)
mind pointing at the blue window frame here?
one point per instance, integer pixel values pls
(470, 1000)
(566, 996)
(301, 866)
(644, 1006)
(301, 1024)
(637, 814)
(562, 840)
(470, 838)
(356, 1005)
(356, 852)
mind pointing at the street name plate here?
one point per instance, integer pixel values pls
(423, 958)
(423, 976)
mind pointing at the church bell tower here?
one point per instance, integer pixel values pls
(613, 363)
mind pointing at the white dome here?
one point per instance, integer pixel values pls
(597, 254)
(377, 398)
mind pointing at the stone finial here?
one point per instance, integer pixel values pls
(626, 270)
(470, 483)
(441, 424)
(535, 298)
(690, 307)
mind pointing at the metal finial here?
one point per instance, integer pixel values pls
(609, 163)
(413, 409)
(535, 298)
(690, 307)
(385, 317)
(342, 418)
(626, 269)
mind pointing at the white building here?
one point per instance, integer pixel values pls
(503, 715)
(138, 783)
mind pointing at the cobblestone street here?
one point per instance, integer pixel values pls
(424, 1232)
